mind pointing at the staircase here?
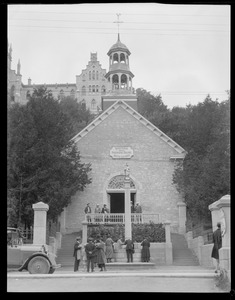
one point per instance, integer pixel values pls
(182, 255)
(66, 259)
(65, 254)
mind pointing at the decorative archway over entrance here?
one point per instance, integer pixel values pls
(116, 196)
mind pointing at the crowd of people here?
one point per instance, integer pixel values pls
(96, 253)
(98, 211)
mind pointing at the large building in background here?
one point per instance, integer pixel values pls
(88, 89)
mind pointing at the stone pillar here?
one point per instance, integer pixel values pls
(167, 231)
(40, 219)
(168, 244)
(182, 217)
(84, 232)
(128, 234)
(63, 221)
(224, 205)
(222, 215)
(215, 214)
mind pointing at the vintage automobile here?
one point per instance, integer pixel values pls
(33, 258)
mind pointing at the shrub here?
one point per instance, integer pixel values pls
(155, 232)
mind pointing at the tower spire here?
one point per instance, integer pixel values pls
(118, 23)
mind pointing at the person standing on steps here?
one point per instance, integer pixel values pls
(77, 253)
(217, 240)
(90, 252)
(101, 258)
(109, 248)
(129, 250)
(145, 253)
(87, 211)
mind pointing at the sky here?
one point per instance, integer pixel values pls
(179, 51)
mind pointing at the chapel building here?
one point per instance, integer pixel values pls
(120, 136)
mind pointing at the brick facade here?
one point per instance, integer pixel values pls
(150, 168)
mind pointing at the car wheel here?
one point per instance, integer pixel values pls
(38, 265)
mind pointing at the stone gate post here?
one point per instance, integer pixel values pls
(182, 217)
(40, 219)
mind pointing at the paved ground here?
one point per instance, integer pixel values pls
(162, 279)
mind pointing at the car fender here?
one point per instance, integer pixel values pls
(25, 264)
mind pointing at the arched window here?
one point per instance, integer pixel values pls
(12, 93)
(89, 75)
(115, 58)
(93, 104)
(89, 88)
(123, 81)
(83, 90)
(83, 104)
(115, 81)
(61, 96)
(72, 93)
(28, 95)
(93, 89)
(97, 75)
(122, 58)
(97, 89)
(103, 89)
(83, 76)
(93, 75)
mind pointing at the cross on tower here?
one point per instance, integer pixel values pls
(118, 22)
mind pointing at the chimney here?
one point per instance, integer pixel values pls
(29, 81)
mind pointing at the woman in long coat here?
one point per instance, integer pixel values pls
(145, 253)
(101, 258)
(217, 240)
(109, 248)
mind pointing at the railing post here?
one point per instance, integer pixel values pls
(167, 231)
(168, 244)
(84, 232)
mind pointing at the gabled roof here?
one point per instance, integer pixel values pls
(136, 115)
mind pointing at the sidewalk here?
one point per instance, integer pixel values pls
(159, 271)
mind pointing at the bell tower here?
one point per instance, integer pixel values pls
(119, 76)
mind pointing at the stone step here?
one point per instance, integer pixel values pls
(129, 266)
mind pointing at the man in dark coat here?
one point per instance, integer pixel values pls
(77, 253)
(217, 240)
(90, 254)
(87, 211)
(129, 249)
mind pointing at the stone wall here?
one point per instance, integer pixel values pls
(203, 252)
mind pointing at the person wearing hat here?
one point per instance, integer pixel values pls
(217, 240)
(88, 212)
(138, 211)
(90, 253)
(97, 213)
(77, 253)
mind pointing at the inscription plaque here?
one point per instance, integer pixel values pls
(121, 152)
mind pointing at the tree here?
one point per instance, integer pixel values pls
(43, 163)
(149, 104)
(205, 174)
(77, 113)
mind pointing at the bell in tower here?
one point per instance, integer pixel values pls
(119, 77)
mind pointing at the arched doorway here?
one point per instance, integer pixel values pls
(116, 194)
